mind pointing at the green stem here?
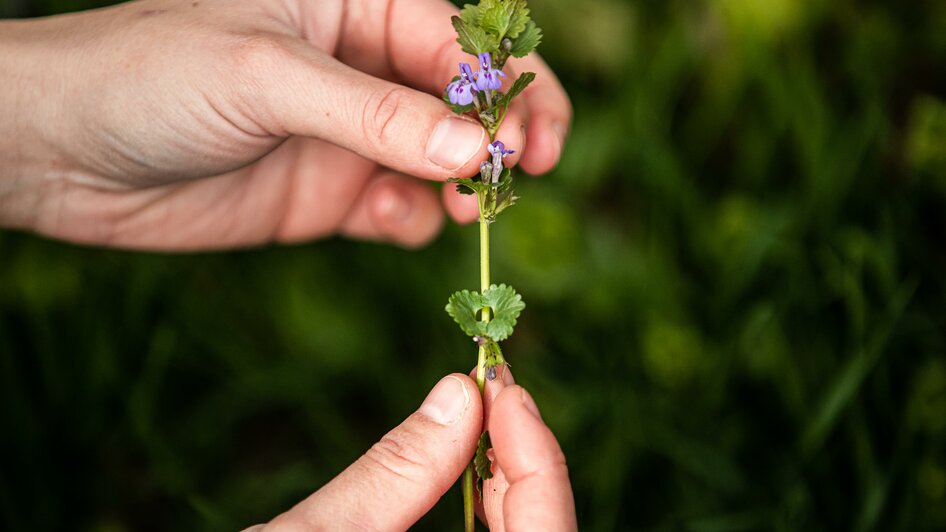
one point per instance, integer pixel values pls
(485, 202)
(469, 517)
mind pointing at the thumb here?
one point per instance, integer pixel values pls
(402, 476)
(298, 89)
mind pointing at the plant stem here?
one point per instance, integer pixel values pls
(487, 202)
(480, 369)
(469, 517)
(484, 285)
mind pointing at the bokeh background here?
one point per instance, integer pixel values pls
(736, 287)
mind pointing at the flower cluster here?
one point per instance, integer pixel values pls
(461, 91)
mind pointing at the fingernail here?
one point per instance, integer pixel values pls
(454, 142)
(446, 403)
(522, 139)
(530, 405)
(507, 377)
(393, 205)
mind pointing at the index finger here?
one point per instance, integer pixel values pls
(539, 495)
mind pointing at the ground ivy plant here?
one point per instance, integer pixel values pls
(493, 31)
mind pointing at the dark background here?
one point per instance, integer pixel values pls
(735, 283)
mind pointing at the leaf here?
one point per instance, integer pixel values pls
(506, 305)
(468, 185)
(502, 18)
(495, 19)
(481, 462)
(530, 37)
(473, 39)
(462, 307)
(471, 14)
(505, 202)
(518, 17)
(517, 87)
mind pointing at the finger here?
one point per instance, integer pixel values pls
(463, 208)
(550, 114)
(494, 489)
(394, 207)
(289, 87)
(401, 477)
(539, 495)
(325, 181)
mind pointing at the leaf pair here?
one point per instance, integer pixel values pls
(504, 305)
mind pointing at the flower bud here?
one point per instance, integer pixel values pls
(506, 44)
(486, 171)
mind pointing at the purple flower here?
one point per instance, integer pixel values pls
(498, 150)
(461, 91)
(488, 77)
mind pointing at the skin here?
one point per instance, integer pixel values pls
(205, 124)
(421, 459)
(181, 125)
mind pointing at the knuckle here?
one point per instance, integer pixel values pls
(258, 56)
(400, 458)
(380, 111)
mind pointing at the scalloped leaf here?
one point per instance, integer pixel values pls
(506, 305)
(527, 41)
(474, 39)
(463, 307)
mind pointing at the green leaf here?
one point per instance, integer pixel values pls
(505, 202)
(506, 305)
(481, 462)
(471, 14)
(518, 17)
(530, 37)
(468, 185)
(517, 87)
(502, 18)
(462, 307)
(495, 19)
(473, 39)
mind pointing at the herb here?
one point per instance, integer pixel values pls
(493, 31)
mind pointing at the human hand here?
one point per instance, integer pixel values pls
(169, 124)
(402, 476)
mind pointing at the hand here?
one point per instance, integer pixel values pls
(401, 477)
(170, 124)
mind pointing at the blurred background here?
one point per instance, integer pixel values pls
(736, 288)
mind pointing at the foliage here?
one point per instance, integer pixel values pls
(504, 304)
(737, 303)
